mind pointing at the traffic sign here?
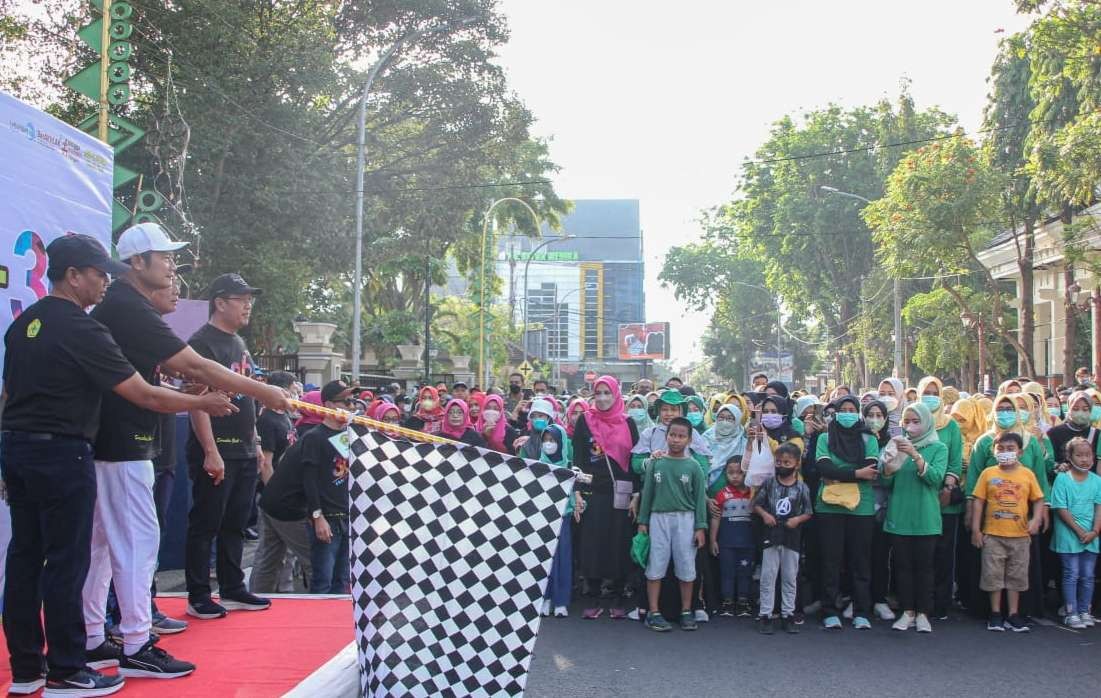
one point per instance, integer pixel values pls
(525, 369)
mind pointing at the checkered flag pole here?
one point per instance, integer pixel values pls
(451, 551)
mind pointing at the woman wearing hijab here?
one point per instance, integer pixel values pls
(891, 394)
(1077, 423)
(494, 427)
(950, 395)
(602, 443)
(428, 417)
(540, 416)
(670, 404)
(574, 410)
(914, 515)
(725, 438)
(713, 404)
(308, 420)
(845, 509)
(556, 451)
(695, 410)
(776, 422)
(636, 410)
(777, 388)
(874, 413)
(456, 424)
(475, 403)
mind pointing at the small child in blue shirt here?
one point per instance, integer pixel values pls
(732, 541)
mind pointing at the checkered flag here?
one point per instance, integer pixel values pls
(451, 550)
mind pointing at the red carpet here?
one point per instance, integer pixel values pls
(246, 654)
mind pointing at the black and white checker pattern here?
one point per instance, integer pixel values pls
(451, 550)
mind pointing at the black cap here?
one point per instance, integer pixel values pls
(334, 389)
(230, 284)
(82, 251)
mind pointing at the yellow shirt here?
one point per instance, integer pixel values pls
(1007, 494)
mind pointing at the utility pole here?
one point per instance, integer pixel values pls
(427, 314)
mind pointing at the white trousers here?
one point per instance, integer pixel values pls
(125, 542)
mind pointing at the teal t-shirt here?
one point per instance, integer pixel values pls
(1079, 499)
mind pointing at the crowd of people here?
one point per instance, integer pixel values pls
(900, 504)
(897, 504)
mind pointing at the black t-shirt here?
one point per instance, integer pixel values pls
(284, 495)
(58, 363)
(1066, 431)
(235, 434)
(325, 472)
(165, 461)
(276, 432)
(126, 431)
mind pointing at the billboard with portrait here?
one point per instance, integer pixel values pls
(644, 340)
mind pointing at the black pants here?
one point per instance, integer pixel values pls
(846, 538)
(52, 495)
(944, 564)
(913, 563)
(220, 511)
(881, 563)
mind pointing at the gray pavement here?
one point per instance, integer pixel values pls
(728, 657)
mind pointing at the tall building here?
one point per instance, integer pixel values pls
(578, 283)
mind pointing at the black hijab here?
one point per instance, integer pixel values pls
(847, 444)
(884, 434)
(780, 388)
(785, 431)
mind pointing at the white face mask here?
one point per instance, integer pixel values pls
(491, 416)
(1006, 457)
(725, 428)
(913, 430)
(550, 448)
(603, 401)
(890, 401)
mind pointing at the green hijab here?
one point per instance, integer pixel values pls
(928, 425)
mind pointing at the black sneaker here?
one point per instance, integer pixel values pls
(244, 601)
(688, 621)
(205, 609)
(727, 609)
(27, 686)
(1016, 624)
(788, 625)
(154, 663)
(766, 625)
(251, 534)
(86, 683)
(744, 609)
(995, 624)
(105, 656)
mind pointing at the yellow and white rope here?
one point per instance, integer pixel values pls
(374, 424)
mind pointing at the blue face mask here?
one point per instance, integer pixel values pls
(539, 423)
(847, 419)
(695, 418)
(637, 413)
(1025, 416)
(931, 401)
(1054, 412)
(1006, 418)
(1095, 413)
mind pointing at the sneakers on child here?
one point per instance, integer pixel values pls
(923, 624)
(701, 616)
(883, 611)
(995, 624)
(655, 621)
(861, 623)
(726, 610)
(847, 614)
(1088, 620)
(1016, 624)
(545, 611)
(688, 620)
(904, 622)
(1074, 621)
(561, 612)
(765, 627)
(745, 610)
(831, 623)
(634, 614)
(787, 624)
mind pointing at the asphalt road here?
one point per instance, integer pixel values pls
(728, 657)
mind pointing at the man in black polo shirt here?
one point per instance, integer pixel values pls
(59, 361)
(126, 535)
(222, 456)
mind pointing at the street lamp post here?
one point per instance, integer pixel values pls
(482, 291)
(558, 302)
(897, 288)
(527, 266)
(361, 162)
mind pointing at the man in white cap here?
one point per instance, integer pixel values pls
(125, 534)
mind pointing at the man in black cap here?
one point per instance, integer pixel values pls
(58, 363)
(223, 455)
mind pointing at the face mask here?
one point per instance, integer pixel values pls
(539, 424)
(890, 401)
(428, 404)
(637, 413)
(1095, 413)
(695, 418)
(874, 423)
(785, 472)
(603, 402)
(725, 428)
(1054, 412)
(1006, 458)
(1081, 468)
(1063, 410)
(772, 420)
(1006, 419)
(914, 430)
(1080, 417)
(1025, 416)
(550, 448)
(847, 419)
(491, 416)
(931, 401)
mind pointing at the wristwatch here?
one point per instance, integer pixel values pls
(315, 514)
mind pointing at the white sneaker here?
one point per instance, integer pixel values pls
(1088, 619)
(561, 612)
(546, 610)
(883, 611)
(1073, 620)
(923, 624)
(633, 614)
(848, 612)
(701, 616)
(905, 621)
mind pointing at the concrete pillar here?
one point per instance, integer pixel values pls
(315, 352)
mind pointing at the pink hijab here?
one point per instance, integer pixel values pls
(609, 427)
(445, 425)
(497, 438)
(307, 418)
(577, 405)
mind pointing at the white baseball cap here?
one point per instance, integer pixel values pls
(145, 237)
